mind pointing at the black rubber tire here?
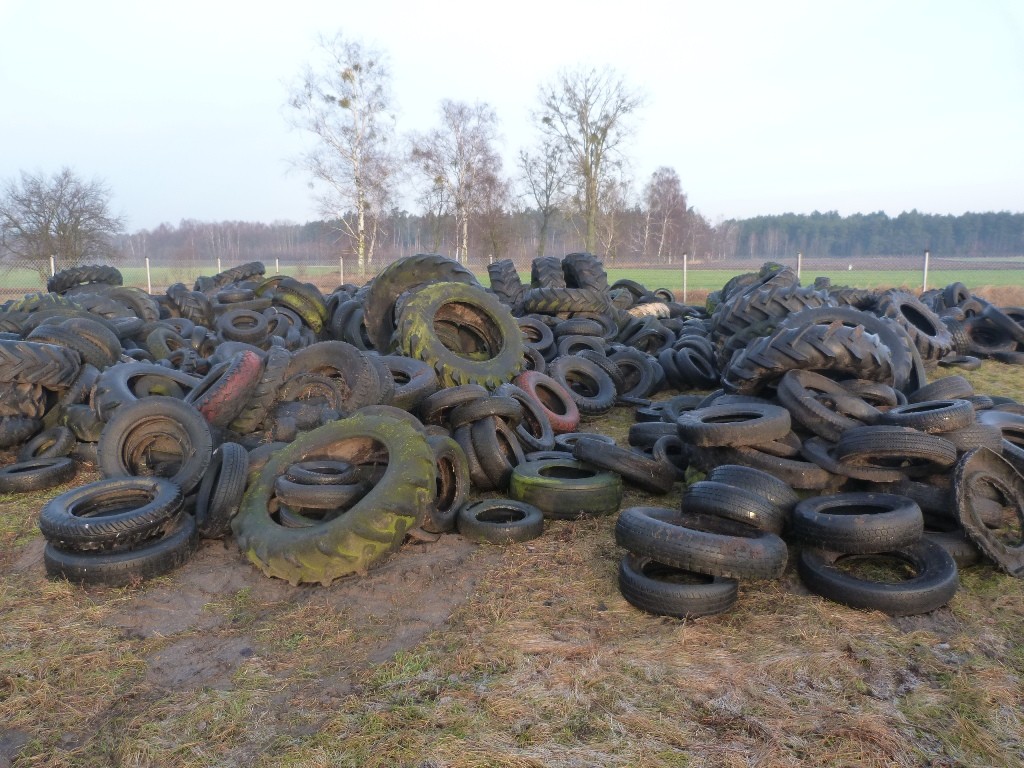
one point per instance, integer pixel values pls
(87, 273)
(47, 365)
(37, 474)
(112, 514)
(666, 591)
(220, 492)
(497, 406)
(764, 484)
(912, 452)
(534, 430)
(701, 543)
(945, 388)
(90, 352)
(116, 386)
(982, 474)
(804, 475)
(587, 383)
(345, 364)
(963, 551)
(243, 325)
(321, 472)
(636, 468)
(638, 372)
(933, 586)
(264, 394)
(58, 441)
(497, 449)
(435, 312)
(584, 270)
(546, 272)
(500, 521)
(339, 495)
(162, 425)
(823, 406)
(733, 424)
(453, 484)
(858, 523)
(125, 568)
(398, 277)
(505, 282)
(927, 331)
(932, 416)
(836, 348)
(567, 301)
(731, 502)
(437, 408)
(414, 380)
(566, 489)
(366, 533)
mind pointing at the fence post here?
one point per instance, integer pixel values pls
(686, 259)
(277, 265)
(53, 266)
(799, 263)
(924, 276)
(149, 278)
(341, 270)
(218, 265)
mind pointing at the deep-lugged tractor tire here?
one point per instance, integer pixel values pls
(666, 591)
(546, 272)
(367, 532)
(836, 348)
(114, 513)
(398, 277)
(192, 305)
(505, 282)
(933, 585)
(584, 270)
(553, 301)
(123, 568)
(90, 273)
(465, 333)
(48, 365)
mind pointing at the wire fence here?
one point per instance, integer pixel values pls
(689, 277)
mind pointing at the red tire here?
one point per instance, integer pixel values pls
(557, 403)
(225, 390)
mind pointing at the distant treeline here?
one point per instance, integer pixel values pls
(829, 234)
(514, 235)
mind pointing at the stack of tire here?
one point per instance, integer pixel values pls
(979, 329)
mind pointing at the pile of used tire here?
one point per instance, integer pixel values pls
(322, 430)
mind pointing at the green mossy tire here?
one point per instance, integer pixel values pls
(365, 534)
(461, 308)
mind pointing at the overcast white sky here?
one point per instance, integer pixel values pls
(761, 107)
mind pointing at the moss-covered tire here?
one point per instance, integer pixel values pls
(365, 534)
(465, 333)
(397, 278)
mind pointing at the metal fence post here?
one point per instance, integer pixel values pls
(277, 265)
(924, 276)
(341, 270)
(149, 278)
(686, 259)
(799, 263)
(218, 265)
(53, 266)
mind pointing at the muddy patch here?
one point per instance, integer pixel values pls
(199, 662)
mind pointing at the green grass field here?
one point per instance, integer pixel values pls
(698, 279)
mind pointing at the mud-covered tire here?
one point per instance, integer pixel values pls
(437, 318)
(500, 521)
(666, 591)
(373, 528)
(933, 585)
(112, 514)
(398, 277)
(124, 568)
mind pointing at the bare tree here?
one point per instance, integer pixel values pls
(666, 210)
(588, 111)
(458, 161)
(60, 216)
(346, 104)
(543, 176)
